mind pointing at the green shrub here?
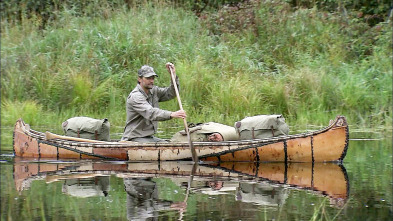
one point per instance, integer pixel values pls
(29, 111)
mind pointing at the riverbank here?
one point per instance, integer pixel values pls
(305, 63)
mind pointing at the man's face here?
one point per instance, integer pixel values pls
(146, 83)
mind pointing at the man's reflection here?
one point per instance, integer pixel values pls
(143, 201)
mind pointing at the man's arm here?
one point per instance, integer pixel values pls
(142, 107)
(168, 93)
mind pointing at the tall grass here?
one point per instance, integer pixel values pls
(306, 64)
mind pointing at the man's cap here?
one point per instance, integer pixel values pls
(146, 71)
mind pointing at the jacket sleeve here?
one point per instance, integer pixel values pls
(167, 93)
(140, 105)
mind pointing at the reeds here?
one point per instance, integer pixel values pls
(305, 64)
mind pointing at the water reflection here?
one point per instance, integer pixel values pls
(142, 198)
(262, 194)
(266, 184)
(87, 187)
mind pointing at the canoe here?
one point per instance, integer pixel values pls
(328, 144)
(313, 177)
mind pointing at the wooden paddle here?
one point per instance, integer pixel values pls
(49, 136)
(193, 152)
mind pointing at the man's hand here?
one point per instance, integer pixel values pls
(179, 114)
(170, 67)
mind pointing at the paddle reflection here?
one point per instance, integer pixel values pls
(153, 187)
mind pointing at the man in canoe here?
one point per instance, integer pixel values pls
(142, 106)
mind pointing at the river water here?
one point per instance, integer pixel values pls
(358, 189)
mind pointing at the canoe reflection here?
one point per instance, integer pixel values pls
(87, 187)
(258, 183)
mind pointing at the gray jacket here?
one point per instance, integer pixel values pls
(143, 112)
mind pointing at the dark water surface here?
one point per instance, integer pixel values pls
(358, 189)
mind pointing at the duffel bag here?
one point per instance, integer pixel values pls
(88, 128)
(261, 126)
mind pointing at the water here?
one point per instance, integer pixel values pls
(359, 189)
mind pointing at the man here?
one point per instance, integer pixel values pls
(143, 112)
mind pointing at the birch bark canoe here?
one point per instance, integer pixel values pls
(328, 144)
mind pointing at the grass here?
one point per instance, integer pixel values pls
(306, 64)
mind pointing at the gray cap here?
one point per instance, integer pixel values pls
(146, 71)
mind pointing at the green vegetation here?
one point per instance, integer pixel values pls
(307, 61)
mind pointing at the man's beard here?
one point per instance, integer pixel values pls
(149, 86)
